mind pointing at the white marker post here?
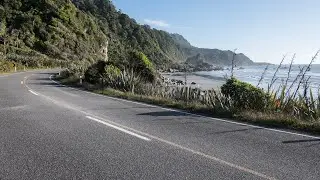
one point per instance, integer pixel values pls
(80, 80)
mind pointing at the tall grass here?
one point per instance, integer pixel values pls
(211, 98)
(296, 99)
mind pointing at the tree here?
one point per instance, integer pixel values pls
(140, 69)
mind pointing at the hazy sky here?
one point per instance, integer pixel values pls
(264, 30)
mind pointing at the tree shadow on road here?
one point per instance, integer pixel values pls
(236, 130)
(165, 113)
(301, 141)
(45, 73)
(46, 84)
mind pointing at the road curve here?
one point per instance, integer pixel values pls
(49, 131)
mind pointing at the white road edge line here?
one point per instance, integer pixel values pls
(124, 129)
(119, 128)
(181, 111)
(33, 92)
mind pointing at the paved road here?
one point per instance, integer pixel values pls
(49, 131)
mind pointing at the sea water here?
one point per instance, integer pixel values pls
(252, 74)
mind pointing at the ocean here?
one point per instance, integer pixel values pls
(252, 74)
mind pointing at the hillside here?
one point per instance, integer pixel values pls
(180, 40)
(77, 31)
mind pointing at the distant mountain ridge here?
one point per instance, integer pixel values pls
(211, 56)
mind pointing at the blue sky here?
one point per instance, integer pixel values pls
(264, 30)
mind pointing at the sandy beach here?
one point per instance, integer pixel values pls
(202, 81)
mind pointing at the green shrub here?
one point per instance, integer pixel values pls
(95, 72)
(6, 66)
(112, 75)
(142, 66)
(67, 12)
(64, 74)
(244, 95)
(9, 66)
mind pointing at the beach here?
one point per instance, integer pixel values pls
(202, 81)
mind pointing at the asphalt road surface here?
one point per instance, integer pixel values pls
(49, 131)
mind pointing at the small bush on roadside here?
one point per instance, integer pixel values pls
(244, 95)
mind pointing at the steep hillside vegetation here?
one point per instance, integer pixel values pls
(180, 40)
(39, 32)
(78, 30)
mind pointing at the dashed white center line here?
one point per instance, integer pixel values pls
(33, 92)
(119, 128)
